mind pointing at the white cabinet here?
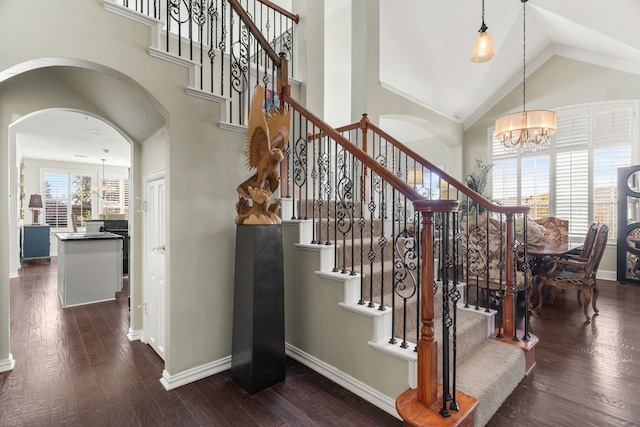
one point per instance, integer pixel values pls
(89, 267)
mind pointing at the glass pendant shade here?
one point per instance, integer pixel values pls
(526, 129)
(483, 48)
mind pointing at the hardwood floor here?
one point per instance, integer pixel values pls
(587, 374)
(76, 367)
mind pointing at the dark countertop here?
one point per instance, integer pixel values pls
(88, 236)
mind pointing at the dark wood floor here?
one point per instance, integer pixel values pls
(587, 374)
(75, 367)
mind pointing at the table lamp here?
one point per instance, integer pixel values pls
(35, 204)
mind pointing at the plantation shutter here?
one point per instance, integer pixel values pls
(56, 195)
(535, 185)
(612, 139)
(504, 174)
(572, 171)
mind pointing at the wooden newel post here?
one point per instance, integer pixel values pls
(427, 346)
(508, 301)
(284, 91)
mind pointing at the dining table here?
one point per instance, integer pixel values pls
(547, 248)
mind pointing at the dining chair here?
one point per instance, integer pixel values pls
(556, 229)
(577, 273)
(584, 251)
(581, 252)
(483, 243)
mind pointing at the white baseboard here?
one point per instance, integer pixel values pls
(169, 382)
(607, 275)
(365, 392)
(7, 364)
(134, 335)
(386, 403)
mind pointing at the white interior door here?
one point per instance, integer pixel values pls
(154, 284)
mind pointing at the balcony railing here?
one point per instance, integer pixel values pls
(227, 41)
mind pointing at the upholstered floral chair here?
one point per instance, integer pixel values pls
(556, 229)
(484, 255)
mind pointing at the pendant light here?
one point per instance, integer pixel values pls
(483, 46)
(526, 129)
(102, 190)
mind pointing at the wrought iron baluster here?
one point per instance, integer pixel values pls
(300, 164)
(344, 205)
(372, 253)
(314, 177)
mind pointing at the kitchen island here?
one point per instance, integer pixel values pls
(89, 267)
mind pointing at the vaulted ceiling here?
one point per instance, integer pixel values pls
(426, 46)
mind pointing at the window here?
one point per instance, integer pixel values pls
(66, 193)
(576, 177)
(115, 195)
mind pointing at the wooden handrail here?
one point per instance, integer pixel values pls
(255, 31)
(482, 201)
(405, 189)
(295, 18)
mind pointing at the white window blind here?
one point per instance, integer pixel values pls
(56, 200)
(571, 143)
(66, 193)
(115, 195)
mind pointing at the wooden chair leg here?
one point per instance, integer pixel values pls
(596, 294)
(587, 299)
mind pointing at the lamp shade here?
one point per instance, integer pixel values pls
(483, 48)
(35, 201)
(526, 129)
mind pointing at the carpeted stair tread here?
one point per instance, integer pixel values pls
(490, 386)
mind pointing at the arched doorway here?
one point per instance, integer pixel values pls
(95, 91)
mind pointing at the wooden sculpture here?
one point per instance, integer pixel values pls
(267, 135)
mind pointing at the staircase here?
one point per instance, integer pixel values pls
(475, 351)
(348, 315)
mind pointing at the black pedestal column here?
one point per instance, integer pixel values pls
(258, 359)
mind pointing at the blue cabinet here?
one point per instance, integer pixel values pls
(35, 243)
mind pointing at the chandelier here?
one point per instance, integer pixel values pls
(104, 190)
(526, 129)
(483, 46)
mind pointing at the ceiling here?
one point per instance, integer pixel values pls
(69, 136)
(426, 48)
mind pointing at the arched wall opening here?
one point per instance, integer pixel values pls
(38, 86)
